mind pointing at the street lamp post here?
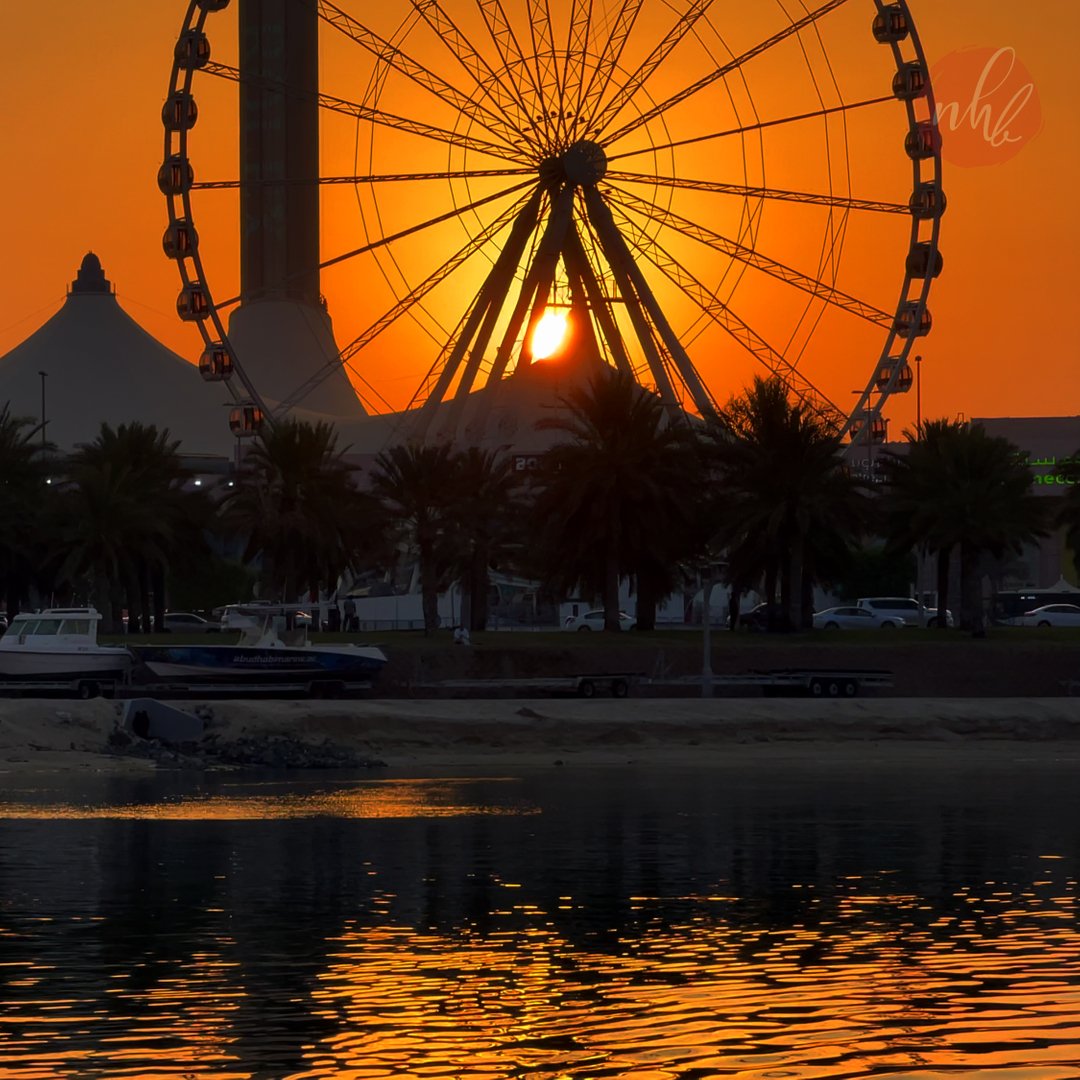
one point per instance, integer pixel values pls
(44, 375)
(918, 396)
(709, 580)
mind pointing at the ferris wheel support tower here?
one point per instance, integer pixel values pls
(279, 141)
(282, 330)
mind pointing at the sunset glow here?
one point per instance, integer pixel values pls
(549, 334)
(116, 210)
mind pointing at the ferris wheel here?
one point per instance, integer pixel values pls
(692, 191)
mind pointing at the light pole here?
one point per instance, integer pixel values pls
(918, 395)
(44, 375)
(710, 579)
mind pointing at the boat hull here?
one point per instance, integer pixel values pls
(27, 664)
(255, 664)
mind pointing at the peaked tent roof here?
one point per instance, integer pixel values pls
(101, 366)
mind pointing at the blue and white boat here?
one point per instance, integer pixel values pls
(268, 653)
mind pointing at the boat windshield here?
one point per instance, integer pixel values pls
(22, 629)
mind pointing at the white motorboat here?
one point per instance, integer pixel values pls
(60, 645)
(269, 653)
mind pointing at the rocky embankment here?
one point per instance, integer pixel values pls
(50, 735)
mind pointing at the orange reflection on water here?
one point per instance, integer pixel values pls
(719, 1000)
(170, 1027)
(374, 799)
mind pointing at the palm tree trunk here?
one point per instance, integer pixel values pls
(770, 592)
(971, 592)
(783, 622)
(479, 586)
(158, 580)
(943, 556)
(806, 599)
(429, 592)
(134, 604)
(611, 589)
(145, 602)
(794, 614)
(647, 599)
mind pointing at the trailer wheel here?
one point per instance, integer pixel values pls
(87, 690)
(619, 688)
(851, 687)
(835, 687)
(586, 688)
(817, 687)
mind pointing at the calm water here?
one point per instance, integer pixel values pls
(913, 920)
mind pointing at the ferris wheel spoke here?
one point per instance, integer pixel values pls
(386, 241)
(746, 191)
(370, 178)
(371, 115)
(712, 306)
(625, 93)
(502, 35)
(578, 264)
(745, 129)
(545, 66)
(389, 54)
(462, 255)
(578, 34)
(723, 70)
(645, 313)
(405, 304)
(625, 200)
(489, 82)
(610, 55)
(501, 31)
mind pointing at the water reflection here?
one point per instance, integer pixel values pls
(374, 799)
(754, 924)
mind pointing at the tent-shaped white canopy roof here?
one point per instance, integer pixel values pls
(101, 366)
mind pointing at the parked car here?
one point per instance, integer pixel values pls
(757, 618)
(855, 618)
(186, 622)
(594, 620)
(1049, 615)
(904, 608)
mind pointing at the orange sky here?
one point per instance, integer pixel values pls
(84, 87)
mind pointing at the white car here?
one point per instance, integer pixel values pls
(855, 618)
(594, 620)
(185, 622)
(1050, 615)
(903, 609)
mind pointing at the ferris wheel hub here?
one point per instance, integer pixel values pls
(581, 164)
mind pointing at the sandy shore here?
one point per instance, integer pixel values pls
(37, 735)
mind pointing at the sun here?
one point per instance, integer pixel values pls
(549, 334)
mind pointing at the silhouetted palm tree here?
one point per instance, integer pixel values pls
(416, 486)
(140, 467)
(788, 498)
(23, 474)
(480, 528)
(958, 487)
(296, 503)
(618, 498)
